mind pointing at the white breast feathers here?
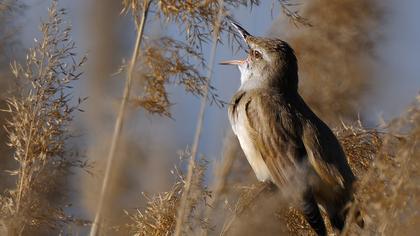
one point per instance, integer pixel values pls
(251, 152)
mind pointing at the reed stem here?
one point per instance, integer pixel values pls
(119, 121)
(184, 203)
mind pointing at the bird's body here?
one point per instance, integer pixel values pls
(283, 140)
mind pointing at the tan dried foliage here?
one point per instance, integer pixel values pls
(360, 144)
(159, 217)
(38, 131)
(389, 192)
(196, 19)
(160, 214)
(167, 61)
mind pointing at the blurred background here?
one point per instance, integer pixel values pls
(358, 60)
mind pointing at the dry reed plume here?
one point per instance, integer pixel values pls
(160, 215)
(38, 133)
(388, 192)
(167, 61)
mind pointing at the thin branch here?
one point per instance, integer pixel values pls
(184, 204)
(119, 122)
(240, 208)
(221, 177)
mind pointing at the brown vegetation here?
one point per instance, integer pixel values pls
(38, 131)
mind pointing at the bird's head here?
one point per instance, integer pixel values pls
(270, 62)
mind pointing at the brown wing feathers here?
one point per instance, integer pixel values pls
(283, 142)
(271, 138)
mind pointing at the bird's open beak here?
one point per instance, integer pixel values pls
(232, 62)
(244, 34)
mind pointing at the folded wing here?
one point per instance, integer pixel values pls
(287, 133)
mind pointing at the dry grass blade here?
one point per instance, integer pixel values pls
(119, 122)
(38, 130)
(293, 15)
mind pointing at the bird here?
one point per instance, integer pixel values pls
(284, 141)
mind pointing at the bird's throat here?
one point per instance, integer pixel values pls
(250, 79)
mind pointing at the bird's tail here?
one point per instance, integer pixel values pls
(313, 215)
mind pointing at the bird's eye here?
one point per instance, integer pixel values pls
(256, 54)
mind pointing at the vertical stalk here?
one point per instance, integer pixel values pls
(239, 210)
(185, 205)
(24, 165)
(119, 121)
(221, 176)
